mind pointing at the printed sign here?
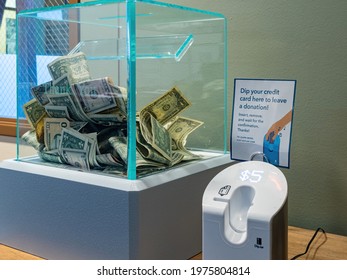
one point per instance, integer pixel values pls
(262, 120)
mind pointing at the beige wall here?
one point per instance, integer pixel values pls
(306, 41)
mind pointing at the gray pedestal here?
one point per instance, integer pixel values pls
(64, 214)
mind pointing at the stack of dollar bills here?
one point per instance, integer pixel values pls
(80, 121)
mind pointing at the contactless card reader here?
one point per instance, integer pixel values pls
(245, 213)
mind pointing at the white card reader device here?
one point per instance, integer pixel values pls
(245, 213)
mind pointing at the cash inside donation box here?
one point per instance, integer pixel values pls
(81, 121)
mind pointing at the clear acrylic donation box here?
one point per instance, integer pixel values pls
(127, 107)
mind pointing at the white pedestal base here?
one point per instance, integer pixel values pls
(64, 214)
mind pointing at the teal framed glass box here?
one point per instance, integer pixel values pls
(122, 88)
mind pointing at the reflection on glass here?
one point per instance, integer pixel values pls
(10, 36)
(11, 4)
(7, 29)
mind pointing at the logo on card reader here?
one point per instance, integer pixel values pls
(224, 190)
